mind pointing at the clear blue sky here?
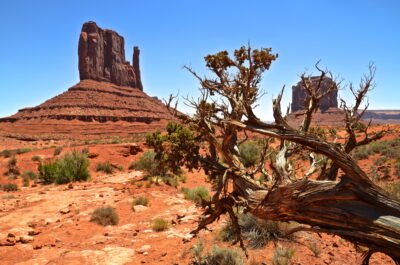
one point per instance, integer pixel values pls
(39, 40)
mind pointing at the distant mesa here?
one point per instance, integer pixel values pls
(110, 90)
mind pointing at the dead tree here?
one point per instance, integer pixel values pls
(353, 207)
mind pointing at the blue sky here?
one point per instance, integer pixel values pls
(39, 40)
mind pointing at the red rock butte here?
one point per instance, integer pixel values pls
(328, 112)
(109, 99)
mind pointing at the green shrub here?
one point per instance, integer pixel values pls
(220, 256)
(12, 166)
(282, 256)
(58, 151)
(140, 201)
(116, 140)
(105, 167)
(8, 197)
(315, 249)
(257, 232)
(23, 150)
(48, 173)
(250, 153)
(9, 187)
(29, 175)
(72, 167)
(146, 163)
(160, 224)
(197, 194)
(105, 216)
(25, 182)
(6, 153)
(36, 158)
(139, 184)
(393, 189)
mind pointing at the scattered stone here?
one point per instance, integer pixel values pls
(26, 239)
(139, 208)
(65, 211)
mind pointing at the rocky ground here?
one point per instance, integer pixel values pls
(51, 224)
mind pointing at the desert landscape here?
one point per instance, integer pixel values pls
(107, 173)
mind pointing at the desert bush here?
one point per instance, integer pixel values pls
(48, 173)
(196, 194)
(315, 249)
(250, 153)
(160, 224)
(393, 189)
(105, 167)
(223, 256)
(140, 201)
(36, 158)
(146, 163)
(9, 187)
(29, 174)
(116, 140)
(257, 232)
(172, 181)
(8, 197)
(72, 167)
(6, 153)
(23, 150)
(58, 151)
(318, 131)
(25, 182)
(12, 168)
(139, 184)
(217, 255)
(282, 256)
(105, 216)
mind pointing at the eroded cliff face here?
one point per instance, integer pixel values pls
(299, 95)
(102, 57)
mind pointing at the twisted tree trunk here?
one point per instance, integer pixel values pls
(353, 208)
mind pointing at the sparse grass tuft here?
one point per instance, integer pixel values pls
(315, 249)
(160, 224)
(58, 151)
(282, 256)
(9, 187)
(257, 232)
(29, 174)
(217, 255)
(105, 216)
(105, 167)
(140, 201)
(36, 158)
(393, 189)
(250, 153)
(12, 168)
(8, 197)
(196, 194)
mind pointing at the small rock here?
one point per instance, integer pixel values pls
(37, 246)
(139, 208)
(34, 232)
(26, 239)
(335, 245)
(65, 211)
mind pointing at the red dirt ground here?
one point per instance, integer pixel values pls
(53, 220)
